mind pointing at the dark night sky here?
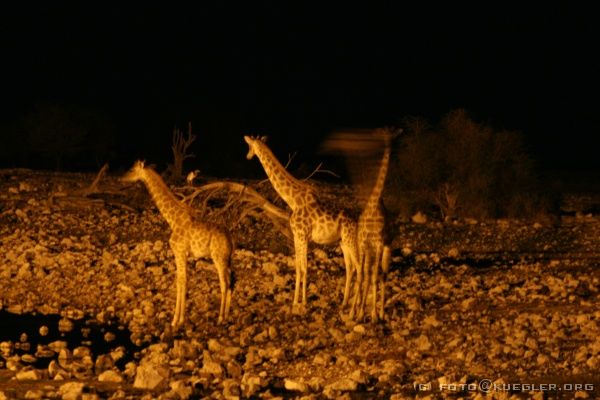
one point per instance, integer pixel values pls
(295, 72)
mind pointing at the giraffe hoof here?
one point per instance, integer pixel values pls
(298, 309)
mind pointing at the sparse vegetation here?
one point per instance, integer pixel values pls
(462, 168)
(52, 134)
(180, 148)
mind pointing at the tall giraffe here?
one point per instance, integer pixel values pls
(374, 255)
(310, 220)
(188, 237)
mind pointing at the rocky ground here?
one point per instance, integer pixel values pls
(475, 309)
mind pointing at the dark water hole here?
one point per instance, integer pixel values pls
(86, 332)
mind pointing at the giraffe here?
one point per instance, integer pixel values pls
(374, 255)
(310, 219)
(188, 237)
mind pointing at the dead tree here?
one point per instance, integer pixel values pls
(256, 204)
(180, 151)
(93, 188)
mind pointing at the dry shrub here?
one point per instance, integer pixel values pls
(461, 168)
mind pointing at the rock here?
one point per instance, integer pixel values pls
(453, 252)
(337, 335)
(181, 388)
(6, 349)
(231, 388)
(184, 350)
(467, 304)
(360, 377)
(103, 363)
(273, 332)
(234, 369)
(57, 345)
(28, 358)
(117, 353)
(422, 343)
(90, 396)
(54, 369)
(34, 394)
(252, 358)
(109, 337)
(430, 322)
(419, 218)
(270, 267)
(322, 358)
(210, 366)
(130, 369)
(71, 390)
(343, 385)
(151, 376)
(28, 375)
(44, 351)
(593, 362)
(65, 325)
(251, 384)
(110, 376)
(360, 329)
(295, 386)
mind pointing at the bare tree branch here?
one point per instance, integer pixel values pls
(319, 170)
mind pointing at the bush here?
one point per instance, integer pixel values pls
(463, 169)
(54, 135)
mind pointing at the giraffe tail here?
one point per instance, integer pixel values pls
(386, 259)
(232, 279)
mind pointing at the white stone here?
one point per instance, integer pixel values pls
(294, 385)
(71, 390)
(28, 375)
(419, 218)
(110, 376)
(151, 376)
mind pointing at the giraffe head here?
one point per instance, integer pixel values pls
(135, 173)
(387, 134)
(253, 143)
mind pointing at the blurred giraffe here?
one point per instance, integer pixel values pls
(374, 255)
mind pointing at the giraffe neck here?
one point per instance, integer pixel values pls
(375, 196)
(283, 182)
(171, 209)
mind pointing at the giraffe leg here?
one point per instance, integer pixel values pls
(228, 290)
(180, 263)
(386, 258)
(349, 250)
(358, 286)
(223, 286)
(349, 274)
(301, 249)
(374, 282)
(221, 256)
(366, 272)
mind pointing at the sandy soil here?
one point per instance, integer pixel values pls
(514, 304)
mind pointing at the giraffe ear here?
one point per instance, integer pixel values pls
(263, 139)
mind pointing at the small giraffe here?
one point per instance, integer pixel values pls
(310, 219)
(188, 237)
(374, 255)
